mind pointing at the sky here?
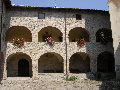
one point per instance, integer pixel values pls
(84, 4)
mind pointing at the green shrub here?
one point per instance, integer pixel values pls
(72, 78)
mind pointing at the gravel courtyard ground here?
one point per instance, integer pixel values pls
(59, 85)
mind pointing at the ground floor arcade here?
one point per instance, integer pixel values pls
(22, 65)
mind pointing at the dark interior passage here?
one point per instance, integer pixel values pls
(79, 63)
(105, 62)
(23, 68)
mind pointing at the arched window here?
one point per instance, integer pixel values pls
(105, 62)
(19, 65)
(19, 32)
(79, 63)
(50, 63)
(52, 32)
(78, 33)
(104, 35)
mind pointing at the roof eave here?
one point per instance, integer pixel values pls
(57, 8)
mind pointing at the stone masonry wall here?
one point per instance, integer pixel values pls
(2, 21)
(92, 22)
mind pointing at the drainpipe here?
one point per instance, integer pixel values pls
(66, 45)
(1, 24)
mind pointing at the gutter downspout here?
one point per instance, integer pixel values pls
(66, 45)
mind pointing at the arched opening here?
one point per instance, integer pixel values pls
(105, 62)
(50, 63)
(19, 32)
(104, 35)
(79, 63)
(49, 31)
(78, 33)
(23, 68)
(19, 65)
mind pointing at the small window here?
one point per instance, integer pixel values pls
(41, 16)
(78, 17)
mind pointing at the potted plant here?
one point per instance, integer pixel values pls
(49, 40)
(18, 42)
(103, 38)
(81, 42)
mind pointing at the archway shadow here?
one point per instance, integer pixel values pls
(50, 63)
(94, 48)
(113, 84)
(19, 65)
(107, 80)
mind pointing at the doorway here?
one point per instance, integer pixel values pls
(23, 68)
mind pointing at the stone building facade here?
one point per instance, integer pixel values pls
(67, 26)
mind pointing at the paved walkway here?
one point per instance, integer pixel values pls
(58, 85)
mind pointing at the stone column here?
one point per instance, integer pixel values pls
(93, 64)
(117, 68)
(35, 37)
(68, 64)
(4, 69)
(34, 68)
(64, 66)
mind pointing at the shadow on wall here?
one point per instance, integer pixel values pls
(21, 65)
(117, 62)
(113, 84)
(107, 79)
(100, 49)
(1, 65)
(117, 58)
(50, 63)
(79, 63)
(2, 58)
